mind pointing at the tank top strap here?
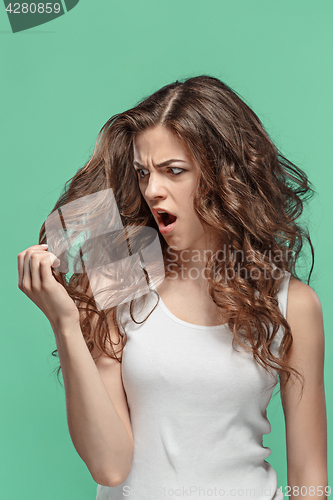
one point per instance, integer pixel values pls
(282, 297)
(283, 294)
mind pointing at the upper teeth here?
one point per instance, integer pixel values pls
(161, 212)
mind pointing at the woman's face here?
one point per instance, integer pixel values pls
(170, 186)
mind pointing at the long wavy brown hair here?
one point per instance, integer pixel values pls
(248, 191)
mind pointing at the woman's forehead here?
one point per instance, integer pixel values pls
(159, 145)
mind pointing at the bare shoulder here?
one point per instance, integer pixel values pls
(305, 318)
(303, 304)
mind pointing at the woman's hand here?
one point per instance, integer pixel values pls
(38, 283)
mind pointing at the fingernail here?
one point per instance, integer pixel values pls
(56, 263)
(44, 245)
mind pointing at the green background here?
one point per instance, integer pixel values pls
(60, 83)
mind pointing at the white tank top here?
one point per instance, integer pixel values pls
(197, 409)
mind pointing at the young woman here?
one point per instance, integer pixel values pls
(168, 398)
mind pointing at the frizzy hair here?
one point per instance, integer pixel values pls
(247, 191)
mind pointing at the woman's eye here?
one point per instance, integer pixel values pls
(177, 168)
(139, 170)
(142, 175)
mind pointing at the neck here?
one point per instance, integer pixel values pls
(190, 263)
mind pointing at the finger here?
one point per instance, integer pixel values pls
(34, 270)
(44, 247)
(45, 271)
(26, 278)
(20, 261)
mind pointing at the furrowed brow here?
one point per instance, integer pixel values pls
(160, 165)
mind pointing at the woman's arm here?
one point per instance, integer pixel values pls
(306, 428)
(97, 411)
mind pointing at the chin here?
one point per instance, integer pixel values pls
(172, 245)
(180, 245)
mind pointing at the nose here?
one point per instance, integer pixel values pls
(155, 187)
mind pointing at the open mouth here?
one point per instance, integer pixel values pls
(167, 218)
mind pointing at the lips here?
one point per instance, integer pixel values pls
(166, 221)
(166, 217)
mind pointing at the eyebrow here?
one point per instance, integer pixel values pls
(160, 165)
